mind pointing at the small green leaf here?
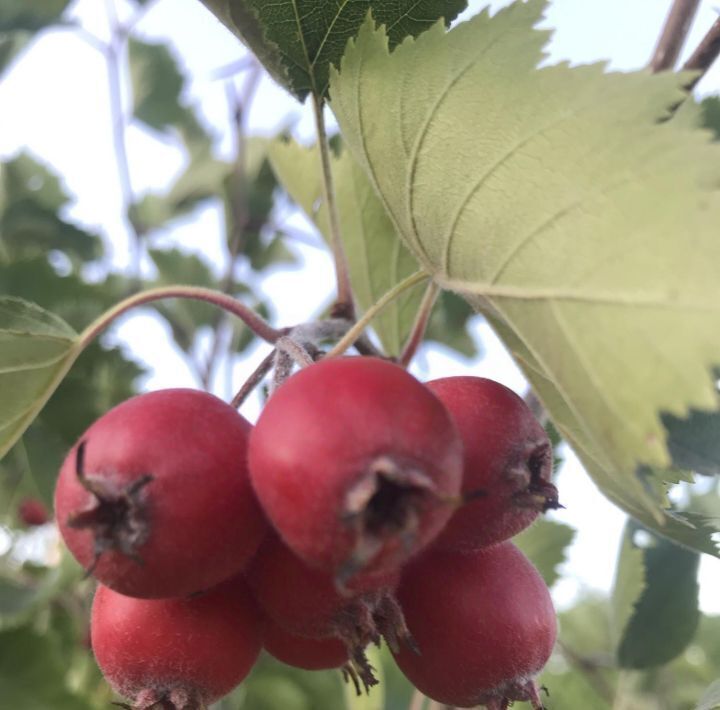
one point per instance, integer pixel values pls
(711, 698)
(628, 586)
(377, 258)
(31, 15)
(694, 441)
(545, 543)
(711, 114)
(449, 323)
(36, 350)
(297, 40)
(374, 699)
(665, 616)
(158, 84)
(559, 204)
(19, 603)
(31, 196)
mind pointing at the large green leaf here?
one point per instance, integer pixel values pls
(298, 40)
(558, 202)
(36, 350)
(665, 616)
(378, 260)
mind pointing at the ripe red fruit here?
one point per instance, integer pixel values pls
(484, 624)
(156, 498)
(32, 512)
(353, 460)
(305, 602)
(507, 456)
(301, 652)
(178, 654)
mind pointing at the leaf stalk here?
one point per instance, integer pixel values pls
(357, 330)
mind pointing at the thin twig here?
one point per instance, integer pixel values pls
(254, 380)
(705, 55)
(344, 305)
(420, 325)
(112, 53)
(240, 215)
(675, 31)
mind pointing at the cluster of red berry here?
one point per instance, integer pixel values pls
(390, 504)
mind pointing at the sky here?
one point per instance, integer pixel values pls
(54, 102)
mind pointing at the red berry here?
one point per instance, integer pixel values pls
(156, 498)
(32, 512)
(178, 654)
(305, 602)
(301, 652)
(484, 624)
(508, 458)
(353, 460)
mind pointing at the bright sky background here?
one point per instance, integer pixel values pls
(54, 103)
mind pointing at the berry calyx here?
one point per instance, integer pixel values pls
(484, 624)
(353, 460)
(176, 654)
(155, 499)
(507, 460)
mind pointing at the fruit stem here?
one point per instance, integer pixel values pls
(344, 305)
(260, 327)
(357, 330)
(254, 380)
(420, 325)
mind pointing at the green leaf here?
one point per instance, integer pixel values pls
(30, 15)
(31, 197)
(375, 697)
(628, 586)
(711, 114)
(21, 20)
(694, 441)
(711, 698)
(545, 543)
(36, 350)
(157, 84)
(33, 673)
(559, 204)
(377, 258)
(665, 616)
(11, 44)
(19, 603)
(449, 323)
(298, 40)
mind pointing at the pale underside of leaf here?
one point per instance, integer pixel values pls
(377, 259)
(36, 351)
(562, 204)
